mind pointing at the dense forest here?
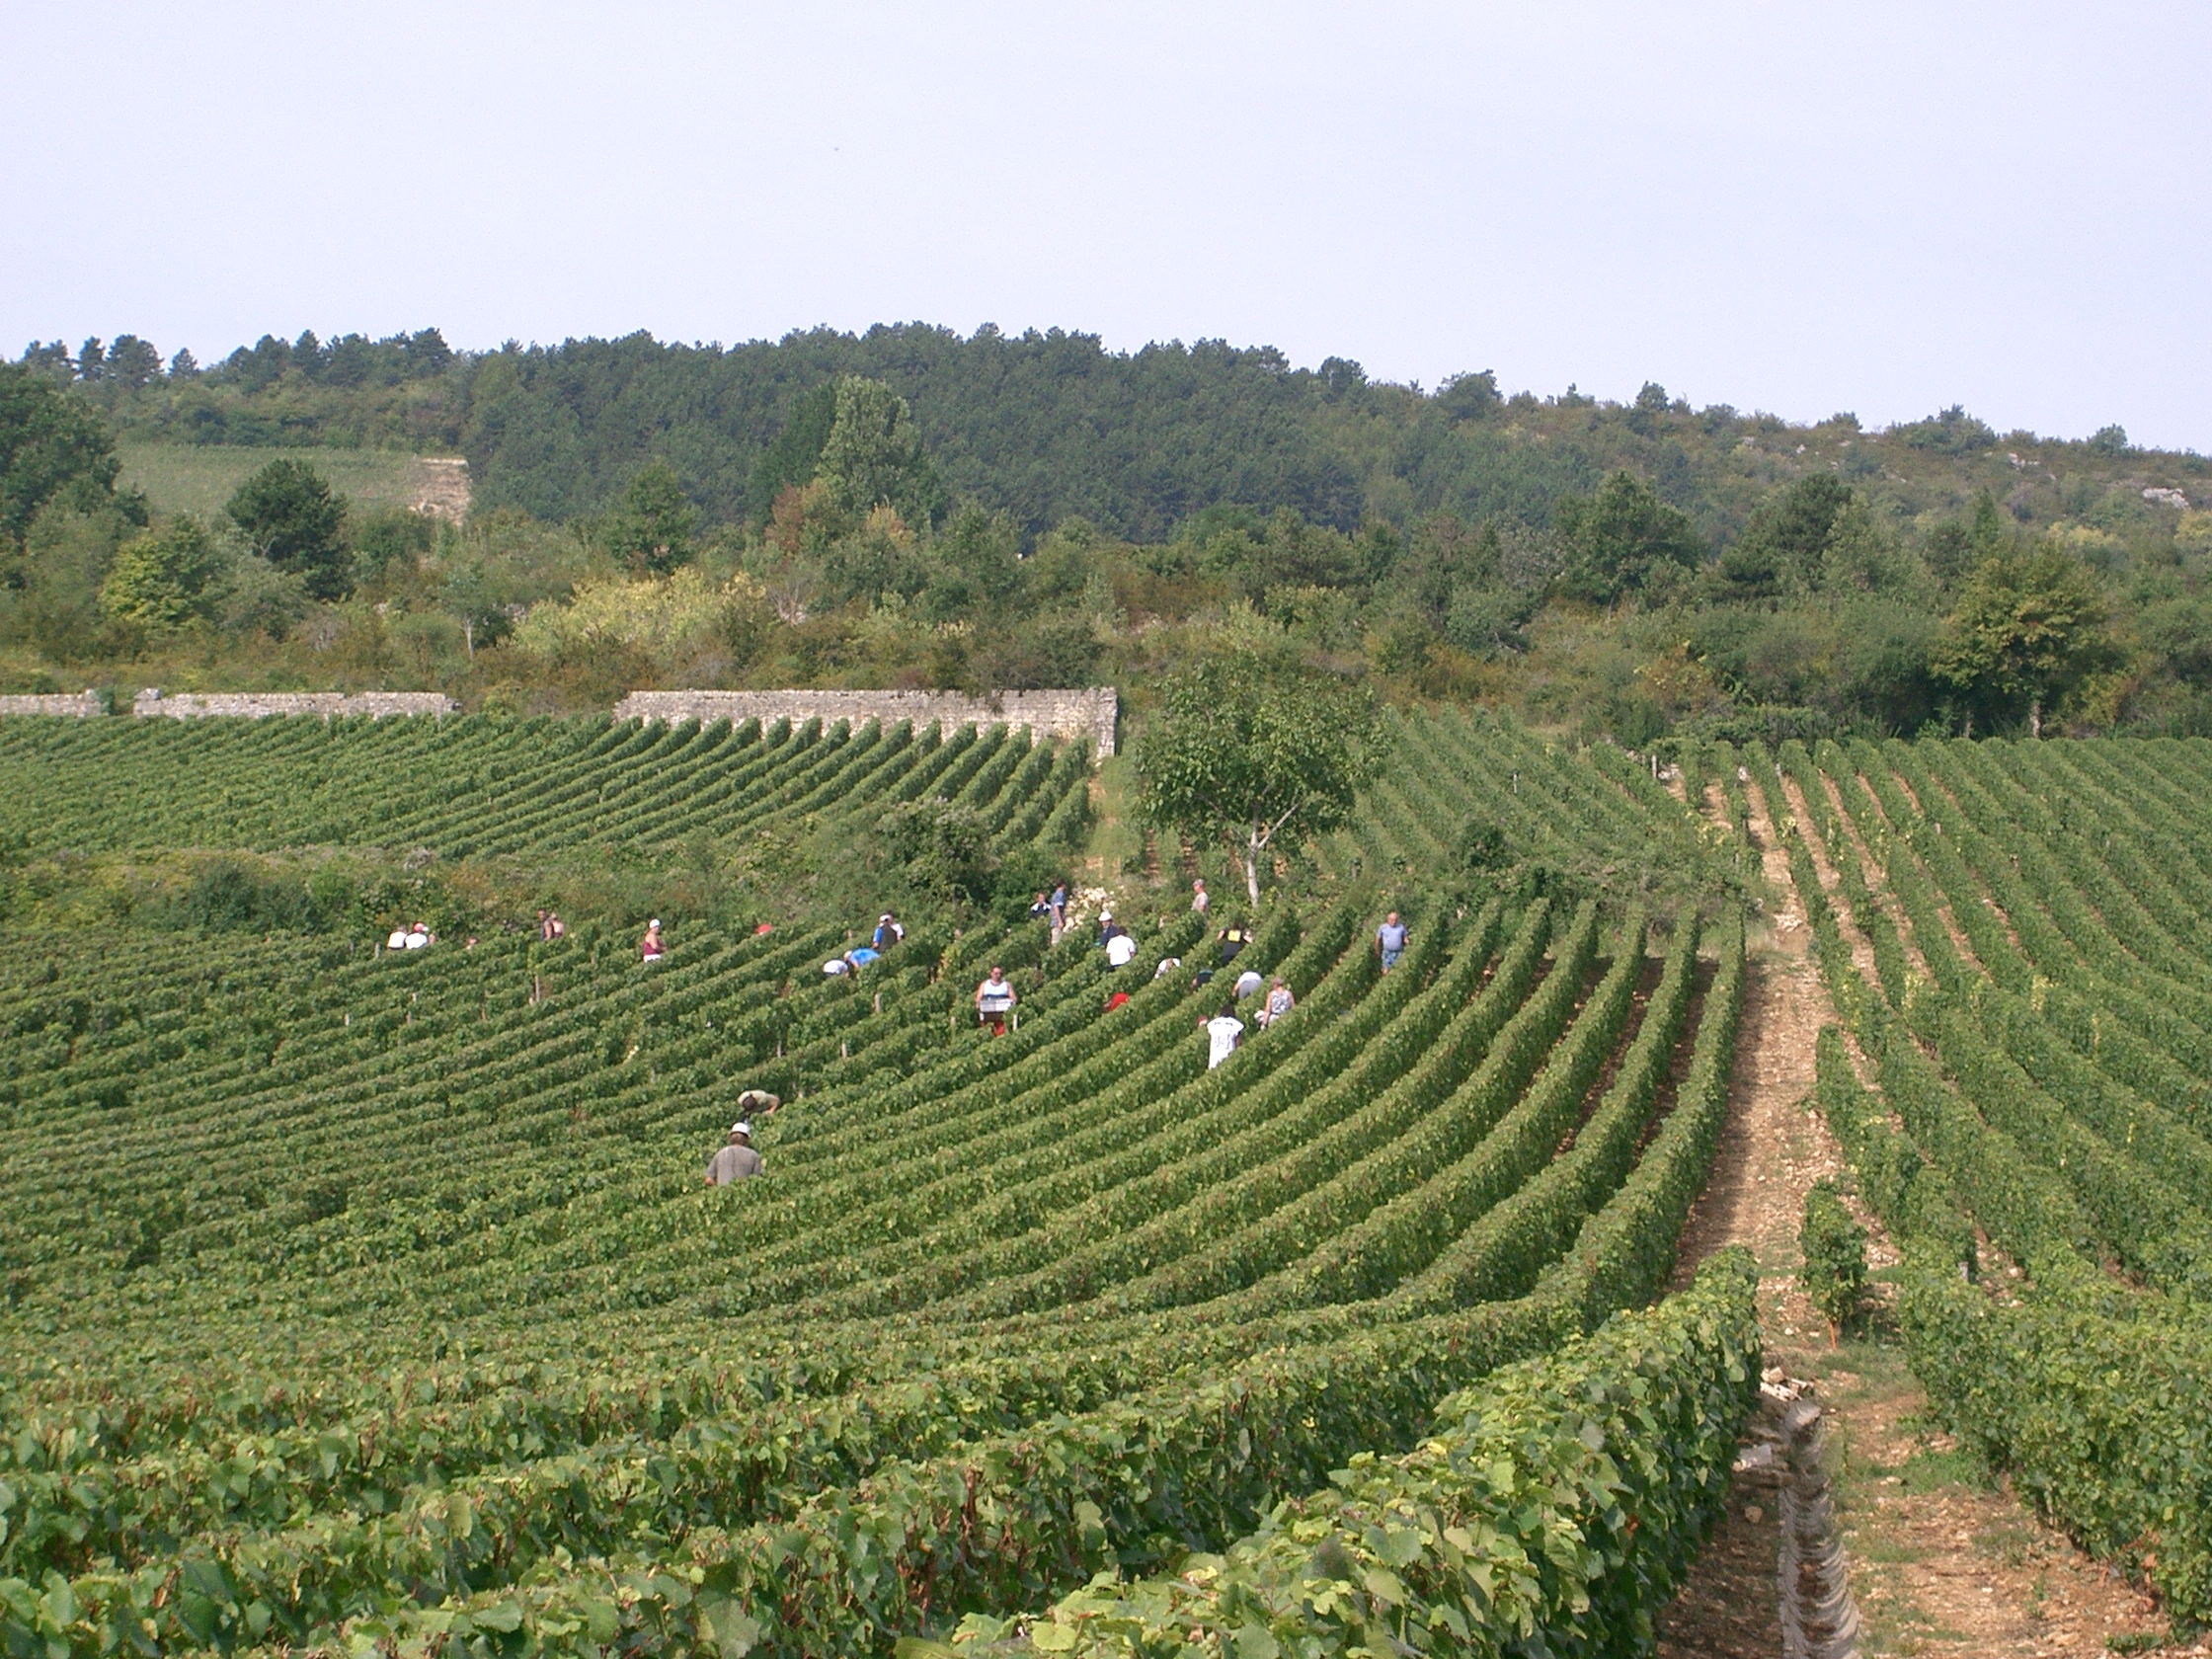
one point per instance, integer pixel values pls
(911, 507)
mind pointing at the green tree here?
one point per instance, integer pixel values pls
(2028, 628)
(165, 578)
(1261, 761)
(51, 445)
(652, 530)
(794, 455)
(944, 849)
(874, 455)
(295, 522)
(1623, 540)
(132, 363)
(471, 592)
(1785, 547)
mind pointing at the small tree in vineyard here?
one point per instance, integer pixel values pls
(1835, 1252)
(1261, 761)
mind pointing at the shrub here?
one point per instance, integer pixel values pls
(1835, 1252)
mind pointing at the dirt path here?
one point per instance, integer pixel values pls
(441, 486)
(1770, 1154)
(1943, 1562)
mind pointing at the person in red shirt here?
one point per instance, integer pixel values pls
(651, 949)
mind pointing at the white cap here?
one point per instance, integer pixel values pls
(655, 923)
(740, 1128)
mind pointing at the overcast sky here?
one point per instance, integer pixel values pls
(1885, 209)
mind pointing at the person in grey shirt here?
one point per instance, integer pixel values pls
(737, 1161)
(1390, 941)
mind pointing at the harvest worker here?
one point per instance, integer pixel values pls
(737, 1161)
(651, 949)
(888, 932)
(1199, 901)
(1121, 949)
(754, 1103)
(1390, 941)
(1234, 938)
(1249, 984)
(994, 1001)
(1278, 1003)
(1222, 1033)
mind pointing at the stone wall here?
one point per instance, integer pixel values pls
(1087, 713)
(84, 703)
(258, 705)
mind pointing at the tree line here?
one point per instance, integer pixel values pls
(1635, 570)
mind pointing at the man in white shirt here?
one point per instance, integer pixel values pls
(1121, 950)
(1222, 1033)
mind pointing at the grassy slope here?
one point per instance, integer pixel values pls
(199, 478)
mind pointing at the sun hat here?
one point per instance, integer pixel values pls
(740, 1128)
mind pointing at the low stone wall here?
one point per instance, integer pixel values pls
(258, 705)
(1087, 713)
(79, 706)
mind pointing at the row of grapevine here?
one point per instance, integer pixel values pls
(2044, 1082)
(482, 785)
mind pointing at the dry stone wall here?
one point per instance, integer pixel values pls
(1088, 712)
(258, 705)
(80, 705)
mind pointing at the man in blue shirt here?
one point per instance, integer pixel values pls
(1390, 941)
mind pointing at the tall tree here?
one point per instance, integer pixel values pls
(874, 457)
(2029, 627)
(164, 577)
(50, 442)
(295, 522)
(652, 531)
(1261, 761)
(794, 456)
(1785, 547)
(1623, 540)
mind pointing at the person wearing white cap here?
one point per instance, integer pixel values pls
(737, 1161)
(888, 931)
(651, 950)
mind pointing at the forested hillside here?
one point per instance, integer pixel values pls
(911, 507)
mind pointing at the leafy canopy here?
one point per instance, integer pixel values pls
(1262, 760)
(165, 578)
(873, 456)
(51, 442)
(2029, 627)
(1834, 1246)
(652, 531)
(295, 522)
(1624, 541)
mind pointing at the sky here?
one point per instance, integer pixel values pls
(1800, 209)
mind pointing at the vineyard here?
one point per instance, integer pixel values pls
(371, 1299)
(2018, 940)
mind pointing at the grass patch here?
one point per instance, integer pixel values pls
(200, 477)
(1931, 1471)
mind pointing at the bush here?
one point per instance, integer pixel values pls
(1835, 1252)
(944, 848)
